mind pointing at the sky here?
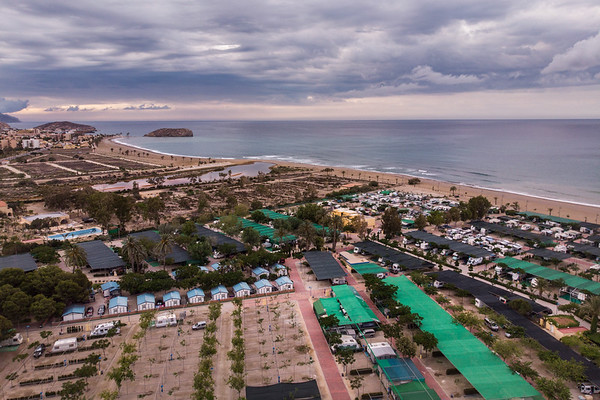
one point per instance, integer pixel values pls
(264, 59)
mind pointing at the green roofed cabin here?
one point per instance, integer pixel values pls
(484, 370)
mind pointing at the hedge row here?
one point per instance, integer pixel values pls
(36, 381)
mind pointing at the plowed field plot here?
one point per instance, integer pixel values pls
(43, 171)
(83, 166)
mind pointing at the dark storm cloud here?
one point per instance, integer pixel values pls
(285, 52)
(11, 105)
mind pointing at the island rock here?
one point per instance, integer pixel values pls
(66, 126)
(171, 132)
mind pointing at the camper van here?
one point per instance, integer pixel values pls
(165, 320)
(491, 324)
(64, 345)
(102, 329)
(16, 340)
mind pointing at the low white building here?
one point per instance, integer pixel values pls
(263, 286)
(74, 312)
(172, 299)
(284, 283)
(219, 293)
(241, 289)
(195, 296)
(146, 301)
(117, 305)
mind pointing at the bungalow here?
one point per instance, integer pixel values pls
(117, 305)
(203, 268)
(216, 266)
(110, 289)
(263, 286)
(241, 289)
(279, 270)
(284, 283)
(219, 293)
(172, 299)
(145, 301)
(195, 296)
(260, 273)
(73, 312)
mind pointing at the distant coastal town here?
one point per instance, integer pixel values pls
(127, 273)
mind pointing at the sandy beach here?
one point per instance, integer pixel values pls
(563, 209)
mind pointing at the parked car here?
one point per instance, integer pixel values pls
(89, 312)
(588, 388)
(37, 353)
(491, 324)
(159, 304)
(101, 309)
(199, 325)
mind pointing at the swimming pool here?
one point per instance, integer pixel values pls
(75, 234)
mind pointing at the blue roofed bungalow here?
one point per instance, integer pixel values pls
(74, 312)
(172, 299)
(258, 272)
(145, 301)
(241, 289)
(117, 305)
(279, 270)
(263, 286)
(110, 288)
(216, 266)
(284, 283)
(219, 293)
(195, 296)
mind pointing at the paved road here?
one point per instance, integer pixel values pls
(483, 291)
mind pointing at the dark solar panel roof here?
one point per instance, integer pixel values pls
(486, 292)
(100, 256)
(26, 262)
(218, 238)
(324, 265)
(519, 233)
(549, 254)
(594, 238)
(585, 248)
(393, 255)
(282, 391)
(453, 245)
(590, 225)
(177, 254)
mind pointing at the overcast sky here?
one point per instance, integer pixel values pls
(180, 59)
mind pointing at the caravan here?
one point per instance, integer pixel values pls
(16, 340)
(103, 329)
(64, 345)
(165, 320)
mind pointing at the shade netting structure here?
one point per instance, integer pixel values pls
(330, 306)
(275, 215)
(414, 391)
(266, 231)
(368, 268)
(488, 374)
(355, 306)
(551, 274)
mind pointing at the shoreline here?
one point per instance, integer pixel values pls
(428, 186)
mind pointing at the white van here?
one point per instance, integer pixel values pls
(16, 340)
(491, 324)
(369, 333)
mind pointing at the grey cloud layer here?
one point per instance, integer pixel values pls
(286, 51)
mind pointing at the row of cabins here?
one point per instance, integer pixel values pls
(147, 301)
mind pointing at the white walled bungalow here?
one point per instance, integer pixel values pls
(146, 301)
(263, 286)
(259, 271)
(284, 283)
(110, 288)
(117, 305)
(219, 293)
(195, 296)
(172, 299)
(241, 289)
(74, 312)
(279, 270)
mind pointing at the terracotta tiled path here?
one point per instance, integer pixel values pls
(334, 380)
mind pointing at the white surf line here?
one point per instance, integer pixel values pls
(65, 168)
(16, 171)
(104, 165)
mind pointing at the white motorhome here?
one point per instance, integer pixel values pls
(102, 329)
(16, 340)
(64, 345)
(165, 320)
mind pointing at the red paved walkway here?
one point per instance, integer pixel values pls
(336, 386)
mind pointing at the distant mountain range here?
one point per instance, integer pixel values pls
(8, 118)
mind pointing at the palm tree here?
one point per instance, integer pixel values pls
(542, 285)
(453, 190)
(335, 225)
(75, 256)
(164, 247)
(592, 308)
(134, 253)
(308, 232)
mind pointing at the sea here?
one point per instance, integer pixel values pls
(555, 159)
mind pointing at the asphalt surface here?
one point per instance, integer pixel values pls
(489, 295)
